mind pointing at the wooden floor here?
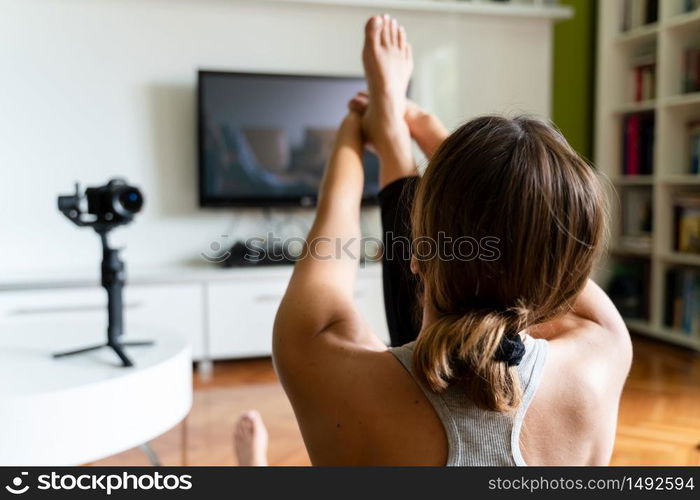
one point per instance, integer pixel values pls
(659, 416)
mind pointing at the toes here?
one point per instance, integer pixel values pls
(254, 416)
(373, 28)
(401, 39)
(386, 31)
(394, 32)
(245, 424)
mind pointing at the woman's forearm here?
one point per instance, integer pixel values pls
(343, 180)
(332, 251)
(340, 197)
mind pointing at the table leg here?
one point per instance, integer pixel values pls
(150, 454)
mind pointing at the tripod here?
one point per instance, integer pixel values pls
(113, 278)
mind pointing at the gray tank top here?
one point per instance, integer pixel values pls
(478, 437)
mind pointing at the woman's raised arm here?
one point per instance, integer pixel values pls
(319, 298)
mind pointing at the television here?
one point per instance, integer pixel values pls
(264, 139)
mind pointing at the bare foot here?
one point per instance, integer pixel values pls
(388, 63)
(250, 439)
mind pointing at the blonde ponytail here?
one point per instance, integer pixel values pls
(464, 348)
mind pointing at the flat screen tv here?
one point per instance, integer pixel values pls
(264, 139)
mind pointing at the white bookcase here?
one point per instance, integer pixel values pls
(667, 39)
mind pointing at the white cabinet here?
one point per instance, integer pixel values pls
(177, 308)
(241, 312)
(222, 313)
(174, 307)
(241, 315)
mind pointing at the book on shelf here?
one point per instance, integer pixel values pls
(628, 287)
(638, 131)
(636, 13)
(644, 78)
(636, 219)
(691, 70)
(690, 5)
(683, 300)
(687, 217)
(694, 147)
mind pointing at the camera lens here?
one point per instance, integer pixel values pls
(130, 200)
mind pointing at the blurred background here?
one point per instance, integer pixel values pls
(207, 106)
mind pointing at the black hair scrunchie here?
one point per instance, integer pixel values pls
(511, 350)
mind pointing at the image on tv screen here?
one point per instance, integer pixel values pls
(265, 139)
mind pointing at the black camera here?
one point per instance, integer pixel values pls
(113, 204)
(103, 208)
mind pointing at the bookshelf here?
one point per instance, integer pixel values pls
(664, 42)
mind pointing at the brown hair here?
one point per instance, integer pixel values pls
(518, 184)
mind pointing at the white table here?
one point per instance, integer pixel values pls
(78, 409)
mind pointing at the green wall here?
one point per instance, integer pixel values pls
(573, 76)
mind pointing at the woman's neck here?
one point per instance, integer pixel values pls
(430, 315)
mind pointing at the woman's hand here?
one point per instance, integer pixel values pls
(425, 128)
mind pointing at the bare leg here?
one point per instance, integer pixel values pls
(250, 440)
(388, 65)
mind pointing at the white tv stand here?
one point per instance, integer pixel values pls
(223, 313)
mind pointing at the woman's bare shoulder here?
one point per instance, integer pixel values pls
(359, 406)
(578, 397)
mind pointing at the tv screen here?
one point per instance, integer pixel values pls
(264, 140)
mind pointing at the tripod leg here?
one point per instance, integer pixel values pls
(138, 343)
(78, 351)
(150, 454)
(122, 355)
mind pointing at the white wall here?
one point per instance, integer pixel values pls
(96, 88)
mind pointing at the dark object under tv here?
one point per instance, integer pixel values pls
(264, 139)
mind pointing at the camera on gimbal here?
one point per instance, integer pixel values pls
(103, 208)
(113, 204)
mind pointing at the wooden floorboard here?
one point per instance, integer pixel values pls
(659, 421)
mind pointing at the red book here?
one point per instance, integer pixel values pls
(633, 160)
